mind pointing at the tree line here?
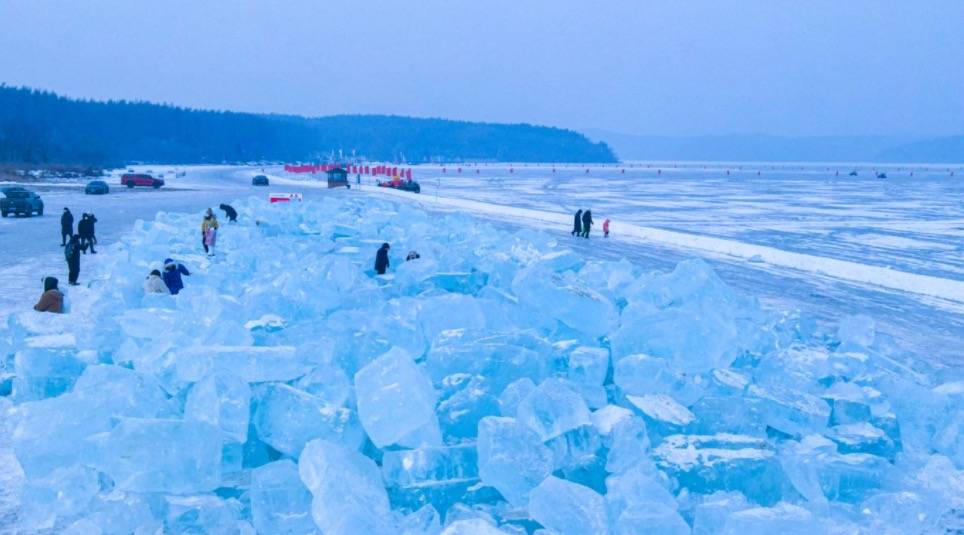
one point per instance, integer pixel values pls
(40, 128)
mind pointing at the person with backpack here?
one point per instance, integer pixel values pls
(586, 223)
(172, 275)
(52, 300)
(209, 232)
(229, 212)
(66, 226)
(72, 255)
(577, 224)
(381, 259)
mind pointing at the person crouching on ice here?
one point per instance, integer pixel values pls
(52, 300)
(154, 284)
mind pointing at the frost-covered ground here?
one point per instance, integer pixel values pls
(653, 394)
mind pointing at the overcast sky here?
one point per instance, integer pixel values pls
(687, 67)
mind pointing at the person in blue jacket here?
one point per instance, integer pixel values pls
(172, 275)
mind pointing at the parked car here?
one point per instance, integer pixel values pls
(97, 187)
(19, 201)
(259, 180)
(139, 179)
(403, 185)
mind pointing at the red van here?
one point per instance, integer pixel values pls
(134, 179)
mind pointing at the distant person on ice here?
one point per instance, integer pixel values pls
(606, 228)
(381, 259)
(66, 226)
(154, 284)
(412, 255)
(52, 300)
(85, 229)
(577, 224)
(72, 255)
(229, 212)
(209, 232)
(172, 275)
(586, 223)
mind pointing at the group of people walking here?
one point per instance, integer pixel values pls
(582, 223)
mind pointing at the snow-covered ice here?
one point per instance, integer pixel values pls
(502, 382)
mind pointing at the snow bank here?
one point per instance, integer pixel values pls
(496, 383)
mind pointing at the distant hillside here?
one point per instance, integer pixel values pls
(778, 148)
(38, 127)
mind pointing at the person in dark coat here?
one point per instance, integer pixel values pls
(172, 275)
(85, 229)
(577, 224)
(381, 259)
(586, 223)
(66, 226)
(230, 212)
(52, 299)
(72, 255)
(92, 219)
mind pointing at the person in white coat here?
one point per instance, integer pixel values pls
(154, 284)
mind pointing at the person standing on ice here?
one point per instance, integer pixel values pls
(92, 220)
(66, 226)
(606, 228)
(52, 300)
(577, 224)
(85, 229)
(154, 284)
(381, 259)
(586, 223)
(209, 230)
(72, 255)
(229, 212)
(172, 276)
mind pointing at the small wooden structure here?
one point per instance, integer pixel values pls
(337, 177)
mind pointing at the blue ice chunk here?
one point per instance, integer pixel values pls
(643, 374)
(710, 515)
(783, 518)
(424, 521)
(863, 438)
(44, 373)
(663, 414)
(250, 363)
(430, 466)
(566, 298)
(587, 369)
(512, 458)
(472, 526)
(56, 497)
(792, 412)
(159, 455)
(819, 473)
(568, 508)
(654, 518)
(640, 485)
(347, 489)
(576, 448)
(396, 400)
(50, 433)
(467, 401)
(513, 394)
(329, 382)
(901, 512)
(628, 443)
(848, 404)
(708, 463)
(221, 400)
(287, 418)
(553, 408)
(499, 357)
(280, 502)
(449, 311)
(204, 514)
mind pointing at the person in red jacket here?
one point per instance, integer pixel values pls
(606, 228)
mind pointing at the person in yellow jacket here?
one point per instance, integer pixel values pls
(209, 232)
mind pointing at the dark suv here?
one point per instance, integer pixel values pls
(139, 179)
(18, 201)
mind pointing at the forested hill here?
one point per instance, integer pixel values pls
(38, 128)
